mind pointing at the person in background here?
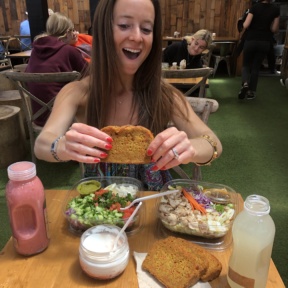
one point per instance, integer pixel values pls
(83, 42)
(25, 43)
(271, 58)
(262, 21)
(52, 53)
(124, 87)
(2, 51)
(189, 49)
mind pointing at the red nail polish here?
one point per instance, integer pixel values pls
(149, 152)
(109, 139)
(108, 146)
(103, 155)
(154, 168)
(96, 160)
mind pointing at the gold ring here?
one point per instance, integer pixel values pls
(176, 155)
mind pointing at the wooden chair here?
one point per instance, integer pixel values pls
(21, 79)
(5, 62)
(203, 107)
(21, 43)
(197, 76)
(20, 67)
(224, 53)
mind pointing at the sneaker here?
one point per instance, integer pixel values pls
(251, 95)
(243, 92)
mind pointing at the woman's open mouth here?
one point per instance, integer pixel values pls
(131, 53)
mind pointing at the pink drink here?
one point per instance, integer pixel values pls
(27, 209)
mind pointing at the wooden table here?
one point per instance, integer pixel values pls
(23, 54)
(58, 265)
(215, 40)
(185, 82)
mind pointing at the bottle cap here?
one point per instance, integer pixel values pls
(21, 171)
(257, 205)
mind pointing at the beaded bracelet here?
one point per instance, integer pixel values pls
(53, 149)
(215, 152)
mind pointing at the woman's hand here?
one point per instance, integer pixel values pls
(84, 143)
(170, 148)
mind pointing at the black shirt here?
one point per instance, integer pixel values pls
(178, 51)
(263, 16)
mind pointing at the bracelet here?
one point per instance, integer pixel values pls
(215, 152)
(54, 149)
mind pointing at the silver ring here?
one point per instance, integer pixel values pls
(176, 155)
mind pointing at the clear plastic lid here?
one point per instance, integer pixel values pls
(21, 171)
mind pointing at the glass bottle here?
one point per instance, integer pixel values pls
(174, 66)
(253, 235)
(27, 209)
(99, 257)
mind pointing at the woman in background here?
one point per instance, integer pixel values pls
(83, 42)
(260, 24)
(52, 53)
(189, 49)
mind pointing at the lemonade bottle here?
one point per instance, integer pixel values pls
(253, 235)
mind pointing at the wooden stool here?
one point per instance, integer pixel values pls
(13, 98)
(12, 141)
(5, 83)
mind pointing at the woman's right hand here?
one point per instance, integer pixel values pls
(84, 143)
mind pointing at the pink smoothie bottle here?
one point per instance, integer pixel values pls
(27, 209)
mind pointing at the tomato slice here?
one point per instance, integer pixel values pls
(101, 192)
(127, 213)
(115, 206)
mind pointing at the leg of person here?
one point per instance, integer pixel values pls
(246, 67)
(271, 59)
(261, 49)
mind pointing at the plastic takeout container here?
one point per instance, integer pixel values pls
(176, 216)
(82, 216)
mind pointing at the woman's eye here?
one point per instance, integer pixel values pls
(123, 26)
(147, 30)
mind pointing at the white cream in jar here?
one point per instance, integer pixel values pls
(97, 254)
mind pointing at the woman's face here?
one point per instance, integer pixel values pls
(72, 36)
(133, 22)
(196, 46)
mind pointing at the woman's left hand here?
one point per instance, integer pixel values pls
(170, 148)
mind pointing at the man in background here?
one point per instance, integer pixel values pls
(25, 43)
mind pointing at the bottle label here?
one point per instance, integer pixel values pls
(240, 279)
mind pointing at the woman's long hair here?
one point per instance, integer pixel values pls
(153, 97)
(57, 25)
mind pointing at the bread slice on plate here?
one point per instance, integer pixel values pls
(176, 262)
(129, 144)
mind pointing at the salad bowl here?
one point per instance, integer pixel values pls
(97, 200)
(200, 211)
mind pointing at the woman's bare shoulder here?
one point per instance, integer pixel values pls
(74, 88)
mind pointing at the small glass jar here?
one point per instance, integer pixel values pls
(174, 66)
(98, 257)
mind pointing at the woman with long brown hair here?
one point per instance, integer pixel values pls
(124, 87)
